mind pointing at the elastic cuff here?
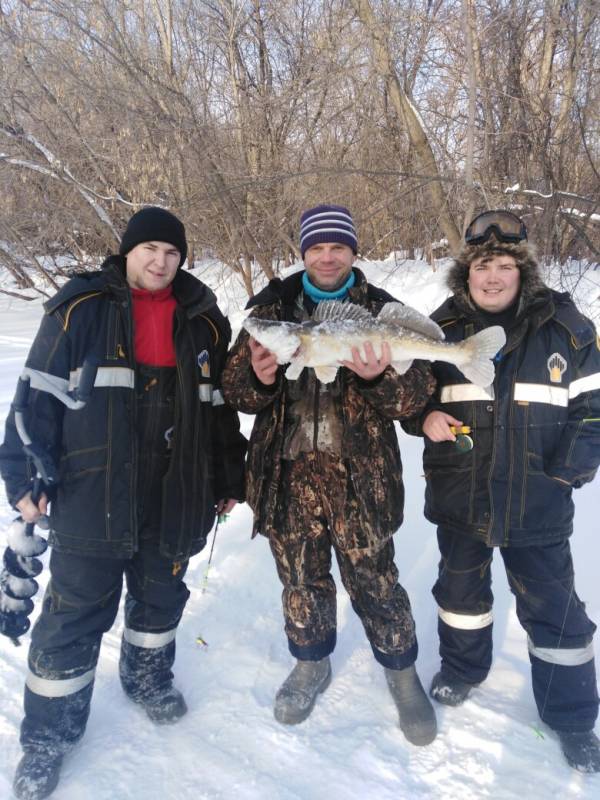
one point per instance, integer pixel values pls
(263, 388)
(363, 383)
(396, 660)
(313, 652)
(14, 499)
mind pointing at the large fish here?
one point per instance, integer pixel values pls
(325, 340)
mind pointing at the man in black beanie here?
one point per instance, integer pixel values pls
(158, 224)
(144, 468)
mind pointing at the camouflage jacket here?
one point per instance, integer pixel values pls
(368, 409)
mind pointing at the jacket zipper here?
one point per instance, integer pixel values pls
(497, 428)
(316, 417)
(126, 305)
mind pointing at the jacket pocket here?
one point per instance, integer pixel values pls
(545, 502)
(446, 456)
(449, 493)
(75, 463)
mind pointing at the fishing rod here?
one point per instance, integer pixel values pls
(221, 518)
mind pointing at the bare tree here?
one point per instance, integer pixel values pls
(237, 114)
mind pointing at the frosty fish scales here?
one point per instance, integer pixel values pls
(327, 339)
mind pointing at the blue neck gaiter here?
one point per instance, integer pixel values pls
(316, 294)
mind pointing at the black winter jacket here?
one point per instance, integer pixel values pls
(94, 510)
(536, 435)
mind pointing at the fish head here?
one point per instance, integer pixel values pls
(281, 338)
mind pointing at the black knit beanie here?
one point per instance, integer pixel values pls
(154, 224)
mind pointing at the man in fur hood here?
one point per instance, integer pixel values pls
(501, 465)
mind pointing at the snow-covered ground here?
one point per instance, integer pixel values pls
(229, 745)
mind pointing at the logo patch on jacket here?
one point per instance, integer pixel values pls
(204, 363)
(556, 367)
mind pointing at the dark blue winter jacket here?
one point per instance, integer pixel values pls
(94, 510)
(536, 431)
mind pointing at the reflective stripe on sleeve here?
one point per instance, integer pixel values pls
(562, 656)
(205, 392)
(148, 640)
(209, 395)
(44, 381)
(466, 622)
(460, 392)
(107, 377)
(58, 688)
(541, 393)
(587, 384)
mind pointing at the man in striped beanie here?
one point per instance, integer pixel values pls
(327, 224)
(324, 472)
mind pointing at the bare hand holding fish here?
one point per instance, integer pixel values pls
(373, 366)
(264, 362)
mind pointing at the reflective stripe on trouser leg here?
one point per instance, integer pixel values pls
(466, 644)
(466, 622)
(62, 687)
(148, 640)
(563, 656)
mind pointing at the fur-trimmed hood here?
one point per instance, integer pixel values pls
(532, 285)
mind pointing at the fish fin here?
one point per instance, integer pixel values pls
(407, 317)
(296, 366)
(326, 374)
(401, 366)
(338, 310)
(483, 346)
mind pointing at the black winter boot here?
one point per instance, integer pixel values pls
(147, 679)
(298, 693)
(36, 776)
(581, 749)
(448, 690)
(166, 708)
(417, 717)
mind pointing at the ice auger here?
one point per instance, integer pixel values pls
(21, 563)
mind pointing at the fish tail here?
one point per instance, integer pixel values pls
(480, 349)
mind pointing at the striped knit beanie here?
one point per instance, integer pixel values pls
(323, 224)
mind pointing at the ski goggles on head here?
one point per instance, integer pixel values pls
(504, 225)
